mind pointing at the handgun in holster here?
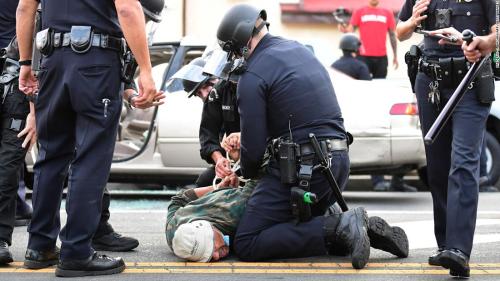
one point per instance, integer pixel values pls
(412, 58)
(129, 66)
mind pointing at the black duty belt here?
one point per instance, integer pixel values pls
(13, 124)
(444, 69)
(431, 68)
(326, 145)
(98, 40)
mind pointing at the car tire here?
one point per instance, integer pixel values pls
(493, 152)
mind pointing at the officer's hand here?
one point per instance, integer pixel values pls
(222, 167)
(28, 83)
(147, 90)
(234, 154)
(29, 132)
(449, 32)
(418, 9)
(233, 180)
(231, 142)
(477, 48)
(158, 99)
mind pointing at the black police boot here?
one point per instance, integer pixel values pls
(434, 258)
(348, 230)
(457, 261)
(114, 242)
(34, 259)
(5, 254)
(387, 238)
(94, 265)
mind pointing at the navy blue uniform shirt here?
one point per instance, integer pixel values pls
(476, 15)
(283, 79)
(60, 15)
(7, 21)
(352, 67)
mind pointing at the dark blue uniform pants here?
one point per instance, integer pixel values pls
(453, 165)
(74, 131)
(267, 230)
(11, 157)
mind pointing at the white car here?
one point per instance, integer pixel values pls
(163, 144)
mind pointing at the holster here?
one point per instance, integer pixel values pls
(485, 84)
(129, 66)
(411, 58)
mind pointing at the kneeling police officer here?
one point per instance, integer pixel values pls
(285, 94)
(77, 111)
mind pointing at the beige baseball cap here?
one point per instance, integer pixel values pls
(194, 241)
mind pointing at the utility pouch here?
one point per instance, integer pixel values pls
(287, 152)
(445, 75)
(129, 67)
(485, 84)
(459, 70)
(412, 58)
(81, 38)
(43, 41)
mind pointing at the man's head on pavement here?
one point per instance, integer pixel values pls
(199, 241)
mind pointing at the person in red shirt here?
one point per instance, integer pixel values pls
(374, 23)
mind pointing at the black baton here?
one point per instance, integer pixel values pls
(455, 98)
(328, 173)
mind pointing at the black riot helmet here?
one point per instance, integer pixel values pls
(190, 76)
(238, 26)
(349, 42)
(152, 9)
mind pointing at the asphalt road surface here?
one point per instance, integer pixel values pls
(152, 260)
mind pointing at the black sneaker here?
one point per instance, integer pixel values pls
(5, 254)
(434, 258)
(457, 261)
(94, 265)
(114, 242)
(387, 238)
(351, 233)
(34, 259)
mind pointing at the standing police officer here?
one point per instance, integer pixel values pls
(77, 116)
(285, 91)
(453, 158)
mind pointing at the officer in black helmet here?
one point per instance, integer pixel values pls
(348, 64)
(285, 94)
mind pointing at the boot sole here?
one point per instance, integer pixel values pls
(456, 269)
(361, 249)
(79, 273)
(39, 264)
(387, 238)
(123, 248)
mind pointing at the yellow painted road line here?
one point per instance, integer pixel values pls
(269, 271)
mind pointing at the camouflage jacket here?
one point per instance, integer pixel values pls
(223, 208)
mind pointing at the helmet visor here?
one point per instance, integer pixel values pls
(218, 65)
(188, 75)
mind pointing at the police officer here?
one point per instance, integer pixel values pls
(348, 64)
(105, 238)
(453, 158)
(78, 108)
(285, 91)
(219, 115)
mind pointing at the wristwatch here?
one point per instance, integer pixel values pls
(130, 97)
